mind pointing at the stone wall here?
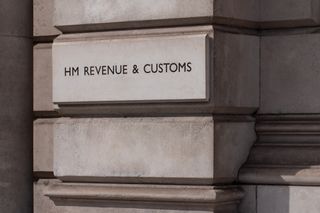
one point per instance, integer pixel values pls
(281, 173)
(255, 141)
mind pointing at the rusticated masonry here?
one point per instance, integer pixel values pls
(176, 106)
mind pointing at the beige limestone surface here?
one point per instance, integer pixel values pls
(232, 143)
(159, 149)
(290, 74)
(42, 77)
(53, 197)
(233, 76)
(43, 18)
(43, 145)
(249, 201)
(84, 15)
(193, 150)
(236, 70)
(145, 68)
(16, 18)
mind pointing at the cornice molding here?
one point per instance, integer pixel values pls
(287, 151)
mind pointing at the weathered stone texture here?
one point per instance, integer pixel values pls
(43, 145)
(289, 13)
(236, 70)
(43, 18)
(172, 150)
(16, 18)
(290, 74)
(134, 148)
(84, 15)
(114, 198)
(42, 77)
(232, 142)
(293, 199)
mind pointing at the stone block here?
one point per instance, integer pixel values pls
(135, 148)
(13, 24)
(92, 15)
(249, 201)
(193, 150)
(145, 68)
(43, 145)
(289, 199)
(79, 16)
(236, 75)
(290, 74)
(231, 62)
(43, 19)
(289, 13)
(42, 78)
(41, 203)
(112, 198)
(232, 142)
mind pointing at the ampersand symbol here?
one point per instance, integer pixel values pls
(135, 69)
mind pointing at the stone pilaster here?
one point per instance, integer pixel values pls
(168, 156)
(283, 165)
(16, 106)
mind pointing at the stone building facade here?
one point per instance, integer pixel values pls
(241, 135)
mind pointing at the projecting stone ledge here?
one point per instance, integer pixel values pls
(167, 198)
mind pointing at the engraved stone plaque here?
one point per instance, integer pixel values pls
(145, 68)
